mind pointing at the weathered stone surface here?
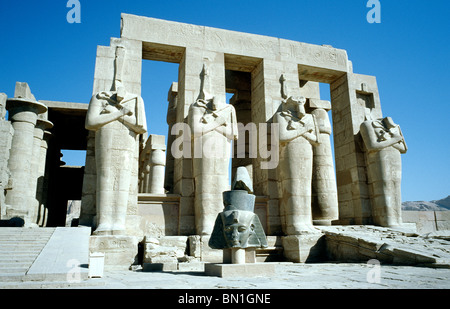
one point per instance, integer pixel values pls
(240, 270)
(168, 249)
(298, 131)
(118, 118)
(120, 251)
(384, 144)
(3, 98)
(362, 243)
(152, 161)
(308, 247)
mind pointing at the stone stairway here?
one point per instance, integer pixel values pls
(19, 248)
(44, 258)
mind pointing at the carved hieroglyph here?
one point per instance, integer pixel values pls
(117, 117)
(384, 143)
(298, 131)
(213, 125)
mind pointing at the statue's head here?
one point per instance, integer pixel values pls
(238, 226)
(237, 229)
(296, 105)
(389, 123)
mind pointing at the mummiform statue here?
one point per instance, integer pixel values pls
(118, 118)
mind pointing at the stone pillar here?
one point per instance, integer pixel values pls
(42, 185)
(88, 205)
(103, 81)
(3, 98)
(6, 136)
(189, 87)
(153, 157)
(40, 147)
(350, 96)
(23, 112)
(242, 152)
(38, 162)
(172, 97)
(266, 100)
(324, 191)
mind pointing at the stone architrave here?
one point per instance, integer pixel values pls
(384, 144)
(118, 118)
(298, 131)
(324, 189)
(23, 113)
(213, 125)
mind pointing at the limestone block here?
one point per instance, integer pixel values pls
(23, 91)
(195, 248)
(316, 103)
(442, 215)
(120, 251)
(443, 225)
(241, 270)
(3, 98)
(168, 249)
(304, 248)
(199, 248)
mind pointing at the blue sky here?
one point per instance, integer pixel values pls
(408, 52)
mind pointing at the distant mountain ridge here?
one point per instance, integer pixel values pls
(437, 205)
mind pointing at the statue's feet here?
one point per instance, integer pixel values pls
(103, 230)
(118, 230)
(301, 229)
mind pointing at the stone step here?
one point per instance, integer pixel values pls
(13, 269)
(83, 284)
(13, 251)
(18, 259)
(15, 264)
(19, 253)
(12, 239)
(20, 247)
(11, 277)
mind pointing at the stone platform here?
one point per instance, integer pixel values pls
(240, 270)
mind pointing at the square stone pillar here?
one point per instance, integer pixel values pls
(353, 98)
(103, 81)
(266, 99)
(189, 86)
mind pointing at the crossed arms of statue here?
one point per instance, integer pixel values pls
(291, 127)
(377, 136)
(203, 120)
(104, 109)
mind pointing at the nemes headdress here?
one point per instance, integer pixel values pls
(239, 204)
